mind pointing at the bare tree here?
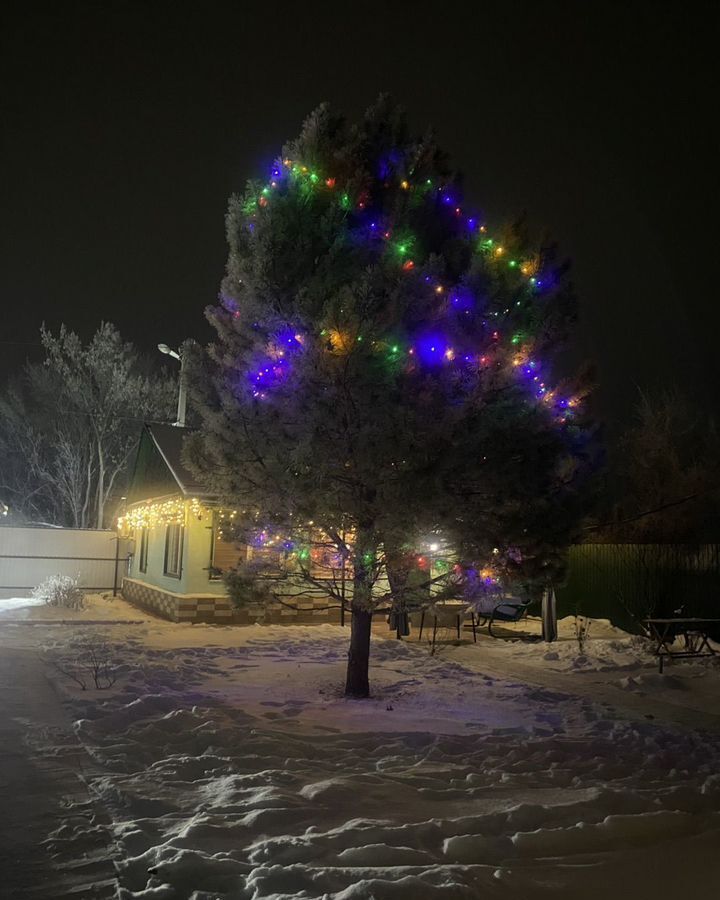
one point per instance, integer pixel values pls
(665, 476)
(104, 387)
(93, 664)
(68, 428)
(74, 469)
(24, 449)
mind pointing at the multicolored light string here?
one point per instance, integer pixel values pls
(430, 350)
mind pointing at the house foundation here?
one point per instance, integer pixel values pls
(219, 610)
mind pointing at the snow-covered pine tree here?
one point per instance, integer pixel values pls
(382, 369)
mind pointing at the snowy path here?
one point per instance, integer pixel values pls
(37, 790)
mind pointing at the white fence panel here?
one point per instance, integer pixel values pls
(29, 555)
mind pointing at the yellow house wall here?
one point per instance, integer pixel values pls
(195, 578)
(197, 543)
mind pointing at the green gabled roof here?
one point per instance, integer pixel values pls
(159, 469)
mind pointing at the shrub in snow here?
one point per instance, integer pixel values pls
(93, 664)
(582, 630)
(245, 584)
(60, 590)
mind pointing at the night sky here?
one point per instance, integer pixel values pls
(126, 126)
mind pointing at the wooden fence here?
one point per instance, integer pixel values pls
(628, 582)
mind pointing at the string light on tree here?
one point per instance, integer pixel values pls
(265, 376)
(420, 375)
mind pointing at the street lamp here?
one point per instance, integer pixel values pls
(182, 384)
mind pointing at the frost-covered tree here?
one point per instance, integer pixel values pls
(68, 427)
(48, 463)
(383, 372)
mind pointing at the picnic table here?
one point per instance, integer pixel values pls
(447, 615)
(694, 632)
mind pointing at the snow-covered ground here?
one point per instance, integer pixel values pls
(229, 765)
(8, 604)
(96, 607)
(616, 670)
(236, 769)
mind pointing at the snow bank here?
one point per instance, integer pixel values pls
(12, 603)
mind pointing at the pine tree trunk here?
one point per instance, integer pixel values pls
(357, 683)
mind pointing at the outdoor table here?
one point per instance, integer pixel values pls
(454, 612)
(694, 632)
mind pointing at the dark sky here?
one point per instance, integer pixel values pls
(125, 126)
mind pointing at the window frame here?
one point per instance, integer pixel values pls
(143, 550)
(179, 543)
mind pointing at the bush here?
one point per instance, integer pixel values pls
(60, 590)
(244, 586)
(93, 664)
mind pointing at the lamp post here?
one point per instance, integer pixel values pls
(182, 384)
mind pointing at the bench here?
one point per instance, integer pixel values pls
(508, 609)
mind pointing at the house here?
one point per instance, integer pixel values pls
(178, 550)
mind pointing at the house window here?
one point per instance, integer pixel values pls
(272, 558)
(173, 550)
(143, 554)
(224, 554)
